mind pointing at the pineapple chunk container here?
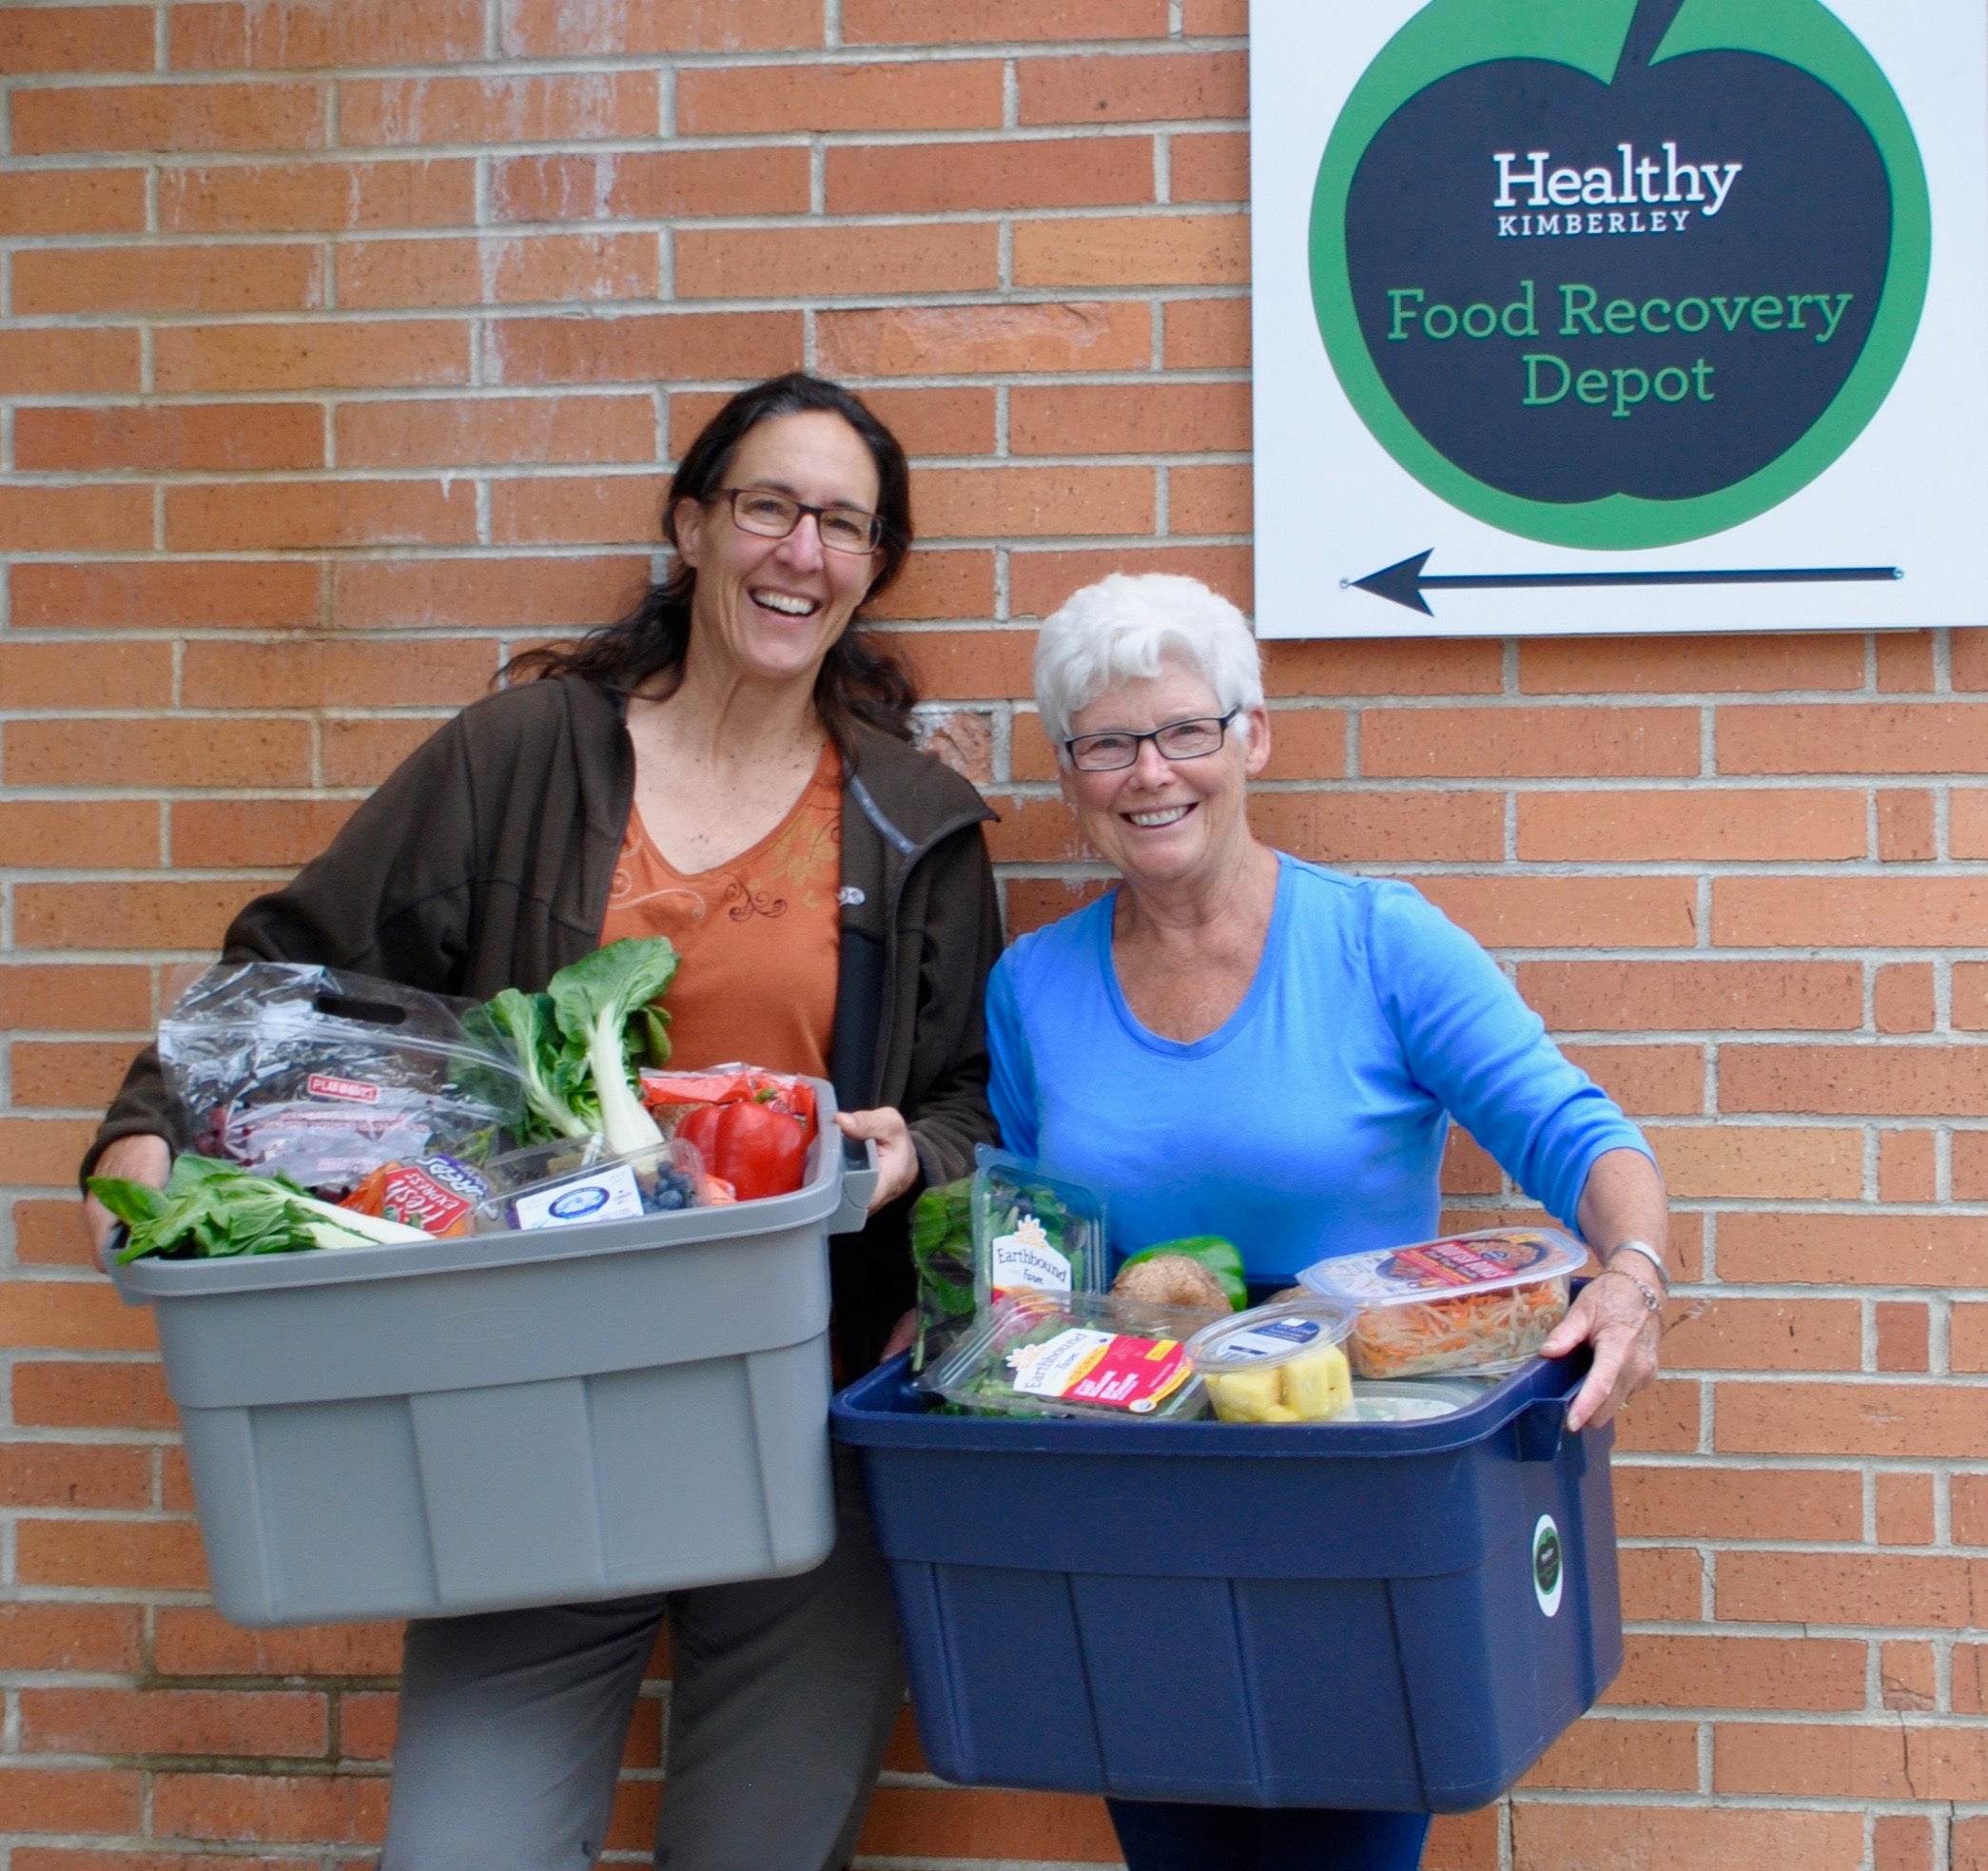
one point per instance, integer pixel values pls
(1277, 1364)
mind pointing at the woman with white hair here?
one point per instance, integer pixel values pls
(1235, 1041)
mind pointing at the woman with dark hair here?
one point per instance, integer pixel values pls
(730, 765)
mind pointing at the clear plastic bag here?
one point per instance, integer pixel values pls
(326, 1077)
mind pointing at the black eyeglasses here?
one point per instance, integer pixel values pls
(1177, 740)
(774, 516)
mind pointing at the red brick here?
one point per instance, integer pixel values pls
(1715, 1162)
(1160, 419)
(1901, 1842)
(1001, 503)
(937, 584)
(70, 1075)
(219, 834)
(367, 1726)
(1210, 499)
(1905, 662)
(1848, 912)
(45, 834)
(364, 753)
(271, 1808)
(1699, 1502)
(249, 34)
(70, 1315)
(58, 1474)
(162, 752)
(228, 438)
(247, 517)
(1133, 88)
(1199, 18)
(146, 594)
(1530, 743)
(1677, 1671)
(1565, 1838)
(1688, 665)
(496, 592)
(1391, 668)
(1207, 334)
(1719, 825)
(1906, 1503)
(1843, 1250)
(1889, 1762)
(753, 263)
(87, 363)
(902, 340)
(102, 1638)
(913, 23)
(1902, 997)
(75, 997)
(1929, 1080)
(940, 94)
(644, 348)
(56, 519)
(95, 1395)
(169, 118)
(950, 421)
(57, 1800)
(1970, 997)
(1654, 1081)
(949, 178)
(557, 28)
(1040, 582)
(70, 200)
(1210, 169)
(1661, 1584)
(1906, 1169)
(51, 1233)
(648, 185)
(358, 353)
(1970, 1167)
(270, 198)
(557, 108)
(266, 277)
(1659, 1757)
(446, 430)
(161, 1555)
(1764, 1335)
(112, 916)
(1368, 828)
(1665, 1419)
(579, 510)
(1692, 996)
(197, 1641)
(968, 665)
(503, 271)
(1897, 1420)
(40, 1152)
(918, 1823)
(91, 39)
(1569, 912)
(1862, 737)
(1906, 832)
(1125, 250)
(320, 673)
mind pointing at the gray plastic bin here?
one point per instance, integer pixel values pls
(528, 1418)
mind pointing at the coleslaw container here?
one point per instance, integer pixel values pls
(1481, 1303)
(1276, 1363)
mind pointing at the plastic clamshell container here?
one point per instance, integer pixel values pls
(1409, 1400)
(1481, 1303)
(1062, 1354)
(1284, 1356)
(540, 1417)
(564, 1184)
(1033, 1232)
(1394, 1616)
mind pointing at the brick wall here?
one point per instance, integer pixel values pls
(345, 347)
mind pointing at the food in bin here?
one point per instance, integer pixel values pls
(437, 1195)
(1481, 1303)
(752, 1127)
(1073, 1355)
(210, 1210)
(1033, 1232)
(561, 1186)
(1276, 1364)
(1200, 1270)
(941, 1250)
(579, 1044)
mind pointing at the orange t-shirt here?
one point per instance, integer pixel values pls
(760, 936)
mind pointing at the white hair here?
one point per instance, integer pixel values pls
(1124, 628)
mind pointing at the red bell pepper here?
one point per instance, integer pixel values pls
(754, 1145)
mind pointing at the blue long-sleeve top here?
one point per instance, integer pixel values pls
(1311, 1122)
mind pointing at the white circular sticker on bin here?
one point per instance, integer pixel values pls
(1549, 1564)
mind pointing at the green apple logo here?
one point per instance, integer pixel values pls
(1616, 274)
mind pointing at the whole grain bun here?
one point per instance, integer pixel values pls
(1172, 1279)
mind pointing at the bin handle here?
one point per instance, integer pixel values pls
(1539, 1428)
(859, 1182)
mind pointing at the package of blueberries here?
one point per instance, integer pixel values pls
(579, 1179)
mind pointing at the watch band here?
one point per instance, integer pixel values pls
(1647, 1253)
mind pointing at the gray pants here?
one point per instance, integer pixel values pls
(784, 1694)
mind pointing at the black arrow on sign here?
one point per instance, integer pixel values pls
(1405, 583)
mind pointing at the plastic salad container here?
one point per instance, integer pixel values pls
(1411, 1400)
(563, 1183)
(1482, 1303)
(1276, 1364)
(1075, 1355)
(1033, 1232)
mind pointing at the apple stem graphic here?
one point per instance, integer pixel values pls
(1654, 20)
(1404, 582)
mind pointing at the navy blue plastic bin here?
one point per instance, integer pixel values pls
(1394, 1616)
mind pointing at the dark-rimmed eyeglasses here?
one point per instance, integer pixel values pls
(774, 516)
(1179, 740)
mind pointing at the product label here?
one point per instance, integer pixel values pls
(1109, 1368)
(1025, 1259)
(1443, 1266)
(321, 1085)
(611, 1196)
(434, 1194)
(1284, 1334)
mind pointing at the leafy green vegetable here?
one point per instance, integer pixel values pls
(211, 1209)
(521, 1025)
(942, 1249)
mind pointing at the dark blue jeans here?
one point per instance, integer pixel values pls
(1156, 1837)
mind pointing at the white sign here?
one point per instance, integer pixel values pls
(1611, 316)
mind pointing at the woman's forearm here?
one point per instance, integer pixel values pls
(1624, 1199)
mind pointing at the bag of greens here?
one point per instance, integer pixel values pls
(941, 1250)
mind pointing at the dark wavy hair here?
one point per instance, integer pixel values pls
(860, 680)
